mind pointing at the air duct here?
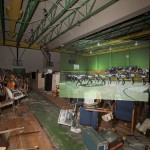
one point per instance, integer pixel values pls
(14, 13)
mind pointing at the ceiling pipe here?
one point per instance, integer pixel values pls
(14, 13)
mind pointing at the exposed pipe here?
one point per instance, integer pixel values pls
(14, 13)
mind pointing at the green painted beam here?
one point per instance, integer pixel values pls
(70, 17)
(53, 18)
(128, 29)
(48, 38)
(51, 13)
(2, 19)
(30, 9)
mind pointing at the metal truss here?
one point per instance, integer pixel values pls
(112, 36)
(50, 18)
(71, 20)
(74, 18)
(30, 9)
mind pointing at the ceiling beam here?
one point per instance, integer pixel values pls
(21, 45)
(69, 22)
(30, 9)
(42, 28)
(105, 19)
(127, 28)
(119, 49)
(122, 39)
(106, 46)
(2, 19)
(106, 51)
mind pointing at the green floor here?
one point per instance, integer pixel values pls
(47, 113)
(60, 135)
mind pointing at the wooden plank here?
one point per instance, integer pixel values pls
(32, 136)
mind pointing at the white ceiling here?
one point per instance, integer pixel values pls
(66, 21)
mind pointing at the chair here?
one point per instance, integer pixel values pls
(7, 103)
(88, 118)
(15, 95)
(124, 110)
(96, 110)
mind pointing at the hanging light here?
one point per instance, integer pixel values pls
(90, 52)
(98, 44)
(136, 43)
(110, 48)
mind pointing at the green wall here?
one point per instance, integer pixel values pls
(118, 59)
(66, 66)
(138, 57)
(103, 61)
(91, 63)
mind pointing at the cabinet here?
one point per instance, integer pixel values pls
(48, 82)
(40, 81)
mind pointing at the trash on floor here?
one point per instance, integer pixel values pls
(65, 117)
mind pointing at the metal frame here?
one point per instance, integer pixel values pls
(51, 17)
(30, 9)
(118, 35)
(70, 22)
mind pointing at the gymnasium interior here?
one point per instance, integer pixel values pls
(74, 74)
